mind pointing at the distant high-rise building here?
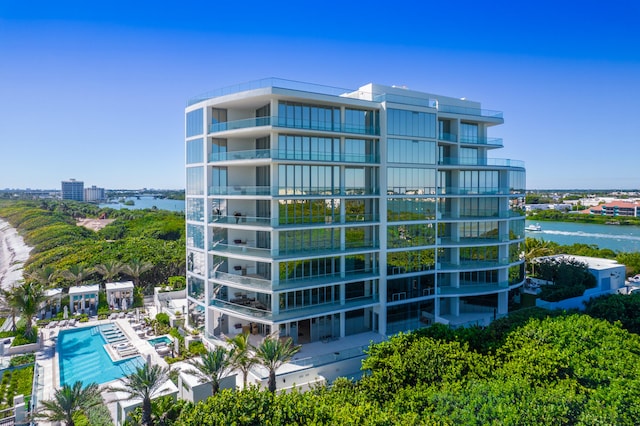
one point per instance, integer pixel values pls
(94, 194)
(321, 213)
(73, 190)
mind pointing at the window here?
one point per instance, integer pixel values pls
(411, 123)
(195, 123)
(195, 151)
(411, 151)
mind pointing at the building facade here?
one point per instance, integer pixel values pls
(322, 213)
(94, 193)
(73, 190)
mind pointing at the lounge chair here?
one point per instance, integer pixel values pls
(52, 324)
(128, 352)
(63, 323)
(113, 316)
(122, 315)
(72, 322)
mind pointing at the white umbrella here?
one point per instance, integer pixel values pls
(66, 312)
(124, 303)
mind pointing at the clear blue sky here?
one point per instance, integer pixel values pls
(96, 91)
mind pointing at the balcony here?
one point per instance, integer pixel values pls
(470, 111)
(480, 215)
(472, 289)
(240, 190)
(240, 248)
(324, 191)
(495, 162)
(265, 253)
(239, 309)
(473, 265)
(288, 123)
(252, 281)
(309, 221)
(482, 190)
(302, 282)
(321, 156)
(497, 142)
(241, 219)
(449, 137)
(325, 308)
(448, 241)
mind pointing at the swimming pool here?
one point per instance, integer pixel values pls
(162, 339)
(82, 357)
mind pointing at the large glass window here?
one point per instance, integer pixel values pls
(306, 116)
(195, 151)
(195, 288)
(411, 123)
(195, 209)
(218, 180)
(479, 207)
(195, 262)
(468, 133)
(411, 235)
(468, 156)
(309, 211)
(312, 180)
(479, 181)
(195, 236)
(292, 147)
(401, 209)
(402, 262)
(410, 181)
(292, 242)
(218, 149)
(361, 121)
(517, 181)
(411, 151)
(360, 151)
(309, 268)
(481, 230)
(195, 123)
(195, 181)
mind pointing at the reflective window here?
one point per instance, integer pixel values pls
(411, 123)
(468, 133)
(195, 262)
(195, 151)
(402, 262)
(305, 116)
(468, 156)
(301, 241)
(195, 209)
(301, 179)
(411, 151)
(309, 211)
(517, 181)
(195, 236)
(195, 288)
(195, 181)
(479, 181)
(411, 235)
(479, 207)
(195, 123)
(361, 121)
(401, 209)
(309, 268)
(218, 149)
(292, 147)
(410, 181)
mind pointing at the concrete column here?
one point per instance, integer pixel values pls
(342, 324)
(503, 303)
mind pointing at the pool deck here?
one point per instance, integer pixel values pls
(47, 356)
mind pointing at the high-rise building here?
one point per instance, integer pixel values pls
(73, 190)
(322, 213)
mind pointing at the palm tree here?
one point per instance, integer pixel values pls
(136, 268)
(240, 355)
(110, 270)
(77, 273)
(272, 353)
(45, 275)
(68, 400)
(534, 248)
(26, 298)
(143, 384)
(211, 367)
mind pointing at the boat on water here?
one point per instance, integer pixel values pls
(533, 228)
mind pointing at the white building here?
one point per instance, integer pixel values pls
(94, 194)
(322, 213)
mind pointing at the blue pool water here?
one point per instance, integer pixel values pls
(82, 357)
(163, 339)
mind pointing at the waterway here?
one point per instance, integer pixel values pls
(148, 203)
(614, 237)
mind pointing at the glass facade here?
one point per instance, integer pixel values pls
(302, 237)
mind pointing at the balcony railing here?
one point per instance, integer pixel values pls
(284, 122)
(481, 141)
(240, 248)
(241, 309)
(448, 241)
(449, 137)
(301, 282)
(322, 191)
(245, 280)
(478, 264)
(496, 162)
(469, 111)
(289, 222)
(482, 190)
(240, 190)
(274, 154)
(482, 214)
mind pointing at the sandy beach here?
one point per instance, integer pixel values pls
(13, 253)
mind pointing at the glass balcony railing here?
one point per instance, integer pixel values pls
(446, 241)
(301, 282)
(240, 248)
(324, 191)
(245, 280)
(481, 214)
(469, 111)
(449, 137)
(244, 220)
(240, 190)
(495, 162)
(284, 122)
(318, 309)
(473, 264)
(471, 288)
(482, 190)
(273, 154)
(481, 141)
(241, 309)
(290, 222)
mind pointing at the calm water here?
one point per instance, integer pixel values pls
(149, 202)
(618, 238)
(82, 357)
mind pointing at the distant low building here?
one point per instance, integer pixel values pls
(557, 206)
(617, 208)
(94, 194)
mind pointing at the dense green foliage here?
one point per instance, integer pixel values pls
(567, 369)
(15, 382)
(153, 237)
(617, 307)
(569, 278)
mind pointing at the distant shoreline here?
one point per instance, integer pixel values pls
(13, 254)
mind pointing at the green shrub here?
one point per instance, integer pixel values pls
(162, 318)
(22, 359)
(196, 347)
